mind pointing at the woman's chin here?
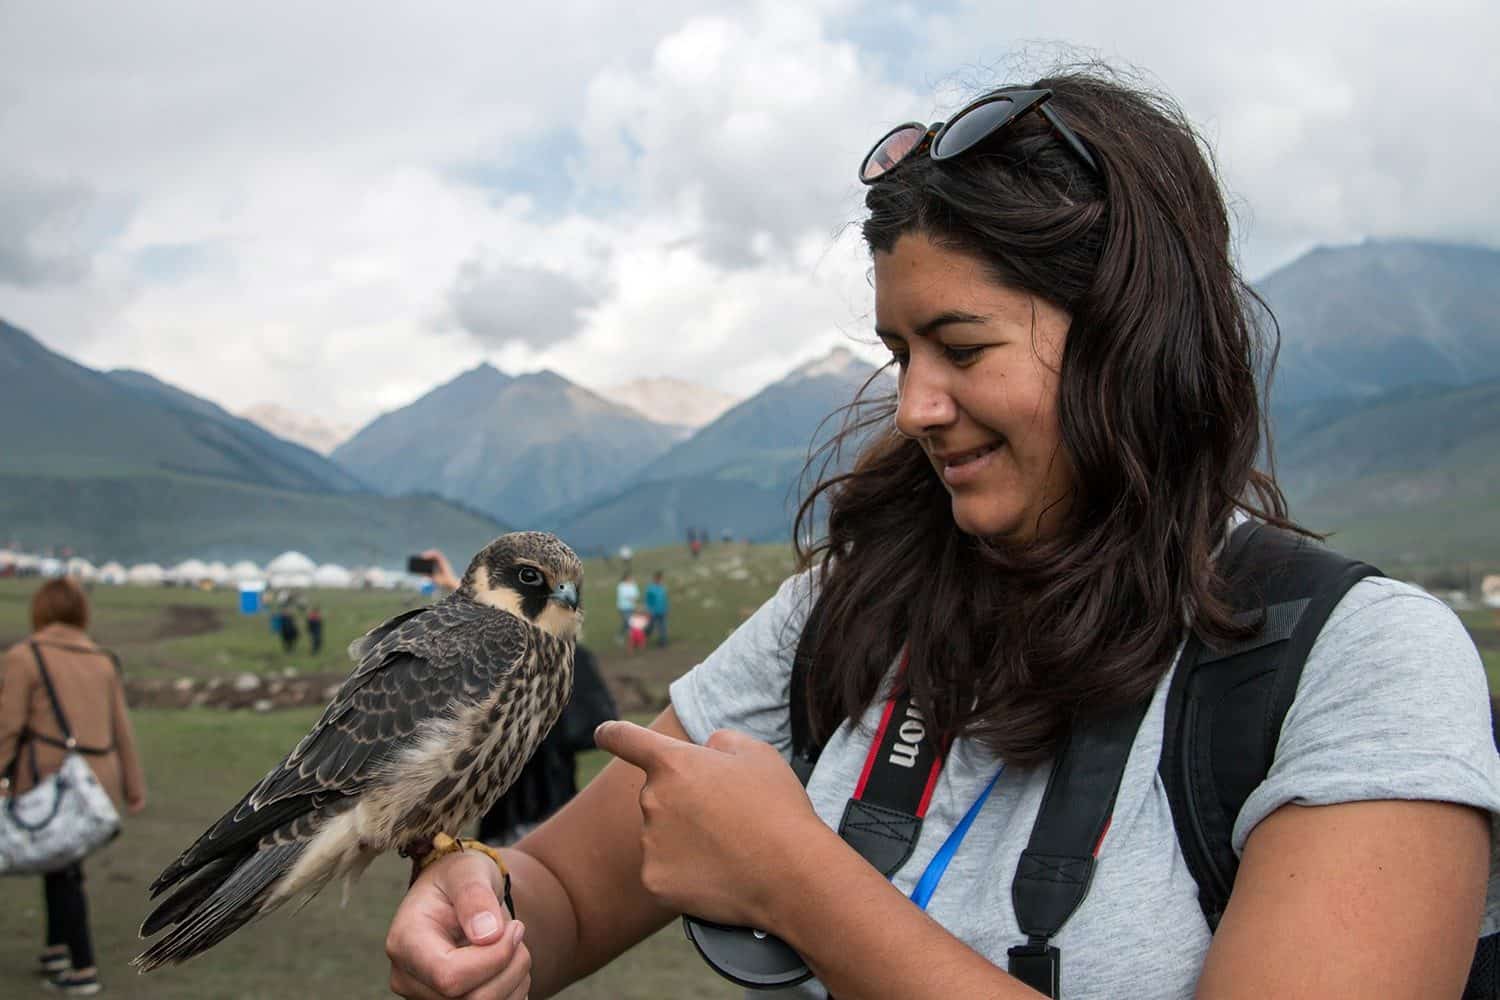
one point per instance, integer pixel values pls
(983, 520)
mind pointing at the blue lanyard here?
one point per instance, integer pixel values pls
(928, 883)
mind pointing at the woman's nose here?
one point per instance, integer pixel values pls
(924, 403)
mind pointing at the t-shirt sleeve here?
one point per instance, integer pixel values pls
(1393, 703)
(743, 684)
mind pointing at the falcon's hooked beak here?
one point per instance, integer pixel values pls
(566, 594)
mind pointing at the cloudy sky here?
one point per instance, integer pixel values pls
(336, 206)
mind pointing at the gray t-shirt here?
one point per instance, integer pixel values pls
(1392, 704)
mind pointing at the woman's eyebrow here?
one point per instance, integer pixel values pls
(942, 319)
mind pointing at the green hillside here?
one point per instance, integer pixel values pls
(1410, 477)
(167, 517)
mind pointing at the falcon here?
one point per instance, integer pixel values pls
(444, 706)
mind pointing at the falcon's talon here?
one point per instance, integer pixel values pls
(443, 845)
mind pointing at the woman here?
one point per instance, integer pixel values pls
(1074, 434)
(88, 687)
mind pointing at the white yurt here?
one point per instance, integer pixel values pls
(246, 571)
(7, 559)
(290, 569)
(49, 566)
(216, 573)
(332, 575)
(374, 578)
(146, 574)
(188, 573)
(112, 573)
(82, 569)
(27, 563)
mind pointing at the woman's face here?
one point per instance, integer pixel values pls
(979, 365)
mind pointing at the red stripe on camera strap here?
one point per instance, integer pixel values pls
(902, 767)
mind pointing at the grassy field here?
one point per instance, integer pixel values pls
(176, 632)
(199, 760)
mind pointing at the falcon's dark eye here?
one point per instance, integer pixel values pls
(530, 576)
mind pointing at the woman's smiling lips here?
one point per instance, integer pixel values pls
(962, 467)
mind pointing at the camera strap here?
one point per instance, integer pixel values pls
(883, 818)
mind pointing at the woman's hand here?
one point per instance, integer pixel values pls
(723, 824)
(446, 942)
(134, 807)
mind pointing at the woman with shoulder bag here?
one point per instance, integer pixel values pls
(85, 681)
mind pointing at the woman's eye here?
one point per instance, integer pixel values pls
(530, 577)
(962, 355)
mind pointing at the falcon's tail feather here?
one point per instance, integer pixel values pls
(199, 886)
(215, 902)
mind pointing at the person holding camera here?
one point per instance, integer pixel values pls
(1035, 526)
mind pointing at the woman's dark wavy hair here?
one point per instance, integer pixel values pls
(1159, 416)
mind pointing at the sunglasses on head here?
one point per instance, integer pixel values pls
(974, 124)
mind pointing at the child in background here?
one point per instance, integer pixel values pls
(639, 621)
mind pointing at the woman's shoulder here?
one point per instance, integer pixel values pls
(1390, 649)
(1384, 610)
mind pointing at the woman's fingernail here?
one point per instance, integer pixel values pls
(517, 932)
(482, 926)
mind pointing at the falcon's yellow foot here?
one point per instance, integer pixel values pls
(443, 845)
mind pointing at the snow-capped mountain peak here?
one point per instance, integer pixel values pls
(671, 401)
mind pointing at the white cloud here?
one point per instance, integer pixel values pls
(310, 204)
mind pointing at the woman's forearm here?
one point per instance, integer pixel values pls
(864, 938)
(542, 904)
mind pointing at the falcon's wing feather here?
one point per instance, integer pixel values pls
(360, 648)
(380, 709)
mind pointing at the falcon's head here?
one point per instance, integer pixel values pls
(534, 576)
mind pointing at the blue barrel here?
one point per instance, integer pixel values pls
(250, 598)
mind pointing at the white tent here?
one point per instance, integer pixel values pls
(82, 569)
(188, 573)
(246, 571)
(216, 573)
(7, 558)
(332, 575)
(374, 577)
(290, 569)
(112, 573)
(147, 574)
(50, 567)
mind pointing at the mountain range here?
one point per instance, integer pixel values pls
(121, 465)
(511, 446)
(1386, 408)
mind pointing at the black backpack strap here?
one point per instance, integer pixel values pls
(1057, 867)
(1226, 704)
(805, 751)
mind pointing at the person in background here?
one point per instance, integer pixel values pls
(640, 625)
(442, 571)
(289, 630)
(656, 607)
(550, 778)
(87, 682)
(315, 628)
(627, 595)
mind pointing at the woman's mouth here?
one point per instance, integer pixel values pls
(962, 467)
